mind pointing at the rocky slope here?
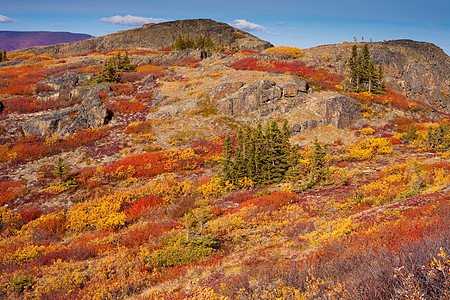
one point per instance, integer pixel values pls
(416, 69)
(12, 40)
(161, 35)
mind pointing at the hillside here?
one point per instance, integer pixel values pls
(416, 69)
(218, 175)
(162, 36)
(13, 40)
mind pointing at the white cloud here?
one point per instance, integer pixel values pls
(279, 23)
(247, 26)
(130, 20)
(5, 19)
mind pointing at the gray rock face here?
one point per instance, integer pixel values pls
(69, 79)
(91, 113)
(339, 111)
(236, 98)
(416, 69)
(223, 90)
(176, 56)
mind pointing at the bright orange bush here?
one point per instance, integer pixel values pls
(10, 190)
(122, 89)
(272, 201)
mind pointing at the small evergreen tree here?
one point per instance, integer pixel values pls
(318, 164)
(227, 159)
(364, 75)
(60, 170)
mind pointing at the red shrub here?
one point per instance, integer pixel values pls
(31, 148)
(10, 190)
(272, 201)
(139, 208)
(140, 236)
(145, 165)
(144, 96)
(22, 105)
(322, 77)
(83, 137)
(30, 214)
(122, 89)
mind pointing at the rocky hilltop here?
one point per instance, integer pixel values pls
(160, 36)
(418, 70)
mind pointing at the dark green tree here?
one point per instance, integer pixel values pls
(60, 170)
(227, 169)
(318, 165)
(363, 73)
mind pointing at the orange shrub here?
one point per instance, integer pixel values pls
(10, 190)
(149, 68)
(122, 89)
(127, 106)
(83, 137)
(272, 201)
(139, 127)
(31, 148)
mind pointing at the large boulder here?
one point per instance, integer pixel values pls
(237, 98)
(68, 79)
(250, 98)
(339, 111)
(91, 113)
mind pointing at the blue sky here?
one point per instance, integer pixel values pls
(298, 23)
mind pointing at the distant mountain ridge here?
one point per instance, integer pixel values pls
(162, 35)
(13, 40)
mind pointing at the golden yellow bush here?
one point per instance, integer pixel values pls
(367, 149)
(285, 52)
(367, 131)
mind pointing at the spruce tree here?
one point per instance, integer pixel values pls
(238, 169)
(5, 57)
(60, 169)
(318, 164)
(1, 56)
(352, 65)
(227, 167)
(364, 75)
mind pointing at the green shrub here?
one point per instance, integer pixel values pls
(179, 251)
(22, 283)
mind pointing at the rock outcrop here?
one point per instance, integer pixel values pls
(416, 69)
(338, 111)
(178, 56)
(237, 98)
(91, 113)
(161, 36)
(69, 79)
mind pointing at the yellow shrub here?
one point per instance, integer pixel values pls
(367, 131)
(285, 52)
(366, 149)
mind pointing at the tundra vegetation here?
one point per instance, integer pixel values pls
(173, 201)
